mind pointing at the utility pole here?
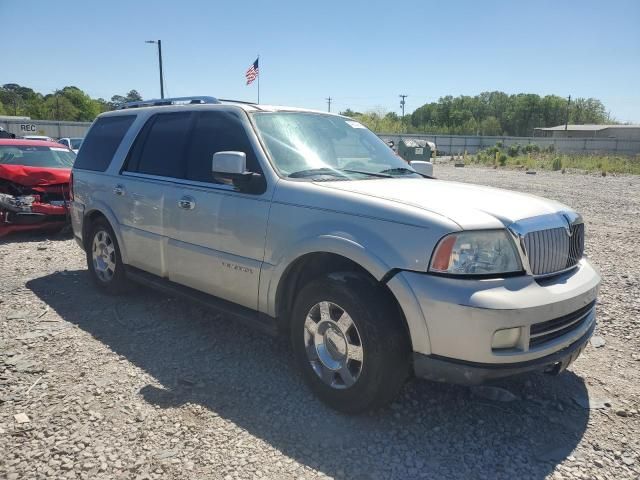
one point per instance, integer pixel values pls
(328, 99)
(159, 42)
(566, 121)
(402, 103)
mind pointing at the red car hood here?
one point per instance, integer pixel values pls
(34, 176)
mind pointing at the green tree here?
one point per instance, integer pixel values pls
(59, 107)
(587, 110)
(84, 107)
(490, 126)
(350, 113)
(496, 113)
(133, 96)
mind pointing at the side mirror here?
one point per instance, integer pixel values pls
(232, 168)
(422, 167)
(229, 164)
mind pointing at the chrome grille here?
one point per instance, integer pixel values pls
(554, 250)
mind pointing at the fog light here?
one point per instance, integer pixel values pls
(507, 338)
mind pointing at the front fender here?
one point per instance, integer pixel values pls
(271, 275)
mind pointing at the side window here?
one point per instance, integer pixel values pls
(102, 142)
(217, 132)
(160, 149)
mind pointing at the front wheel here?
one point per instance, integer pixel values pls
(350, 342)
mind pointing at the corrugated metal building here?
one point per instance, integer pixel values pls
(623, 132)
(21, 126)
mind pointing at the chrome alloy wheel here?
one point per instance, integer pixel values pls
(333, 345)
(103, 254)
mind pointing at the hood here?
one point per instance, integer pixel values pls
(470, 206)
(34, 176)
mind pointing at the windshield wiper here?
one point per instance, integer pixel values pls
(399, 170)
(337, 172)
(316, 171)
(373, 174)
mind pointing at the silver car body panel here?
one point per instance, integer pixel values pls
(240, 246)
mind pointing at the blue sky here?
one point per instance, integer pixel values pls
(361, 53)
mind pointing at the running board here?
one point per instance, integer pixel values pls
(251, 318)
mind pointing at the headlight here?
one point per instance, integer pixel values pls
(475, 253)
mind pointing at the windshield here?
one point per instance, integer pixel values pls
(313, 145)
(75, 143)
(31, 156)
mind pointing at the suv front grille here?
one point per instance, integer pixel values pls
(554, 249)
(546, 331)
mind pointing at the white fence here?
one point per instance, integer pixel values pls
(458, 144)
(50, 128)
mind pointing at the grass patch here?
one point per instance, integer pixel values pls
(536, 159)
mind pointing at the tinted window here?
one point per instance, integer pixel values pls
(216, 132)
(163, 145)
(102, 142)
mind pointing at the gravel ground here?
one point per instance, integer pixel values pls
(152, 387)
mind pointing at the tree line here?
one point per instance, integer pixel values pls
(489, 113)
(69, 103)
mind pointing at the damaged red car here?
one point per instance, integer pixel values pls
(34, 185)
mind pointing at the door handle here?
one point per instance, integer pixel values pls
(187, 203)
(118, 189)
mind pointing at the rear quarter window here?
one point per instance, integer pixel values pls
(102, 142)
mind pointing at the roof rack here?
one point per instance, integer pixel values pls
(237, 101)
(169, 101)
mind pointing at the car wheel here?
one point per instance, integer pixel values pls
(350, 342)
(104, 260)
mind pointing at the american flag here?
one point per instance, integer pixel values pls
(252, 73)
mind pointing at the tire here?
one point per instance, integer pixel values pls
(105, 267)
(352, 368)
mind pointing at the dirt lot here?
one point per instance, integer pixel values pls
(145, 386)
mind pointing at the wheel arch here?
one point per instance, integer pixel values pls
(312, 265)
(91, 216)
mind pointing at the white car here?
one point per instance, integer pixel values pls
(39, 137)
(73, 143)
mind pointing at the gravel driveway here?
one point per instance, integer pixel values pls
(146, 386)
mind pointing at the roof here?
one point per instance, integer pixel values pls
(34, 143)
(247, 107)
(587, 127)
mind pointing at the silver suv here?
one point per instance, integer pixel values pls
(306, 223)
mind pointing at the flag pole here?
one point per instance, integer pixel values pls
(258, 79)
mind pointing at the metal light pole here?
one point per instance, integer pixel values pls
(159, 42)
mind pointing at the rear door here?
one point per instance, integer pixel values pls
(216, 232)
(91, 183)
(147, 183)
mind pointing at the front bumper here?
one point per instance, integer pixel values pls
(11, 222)
(461, 316)
(440, 369)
